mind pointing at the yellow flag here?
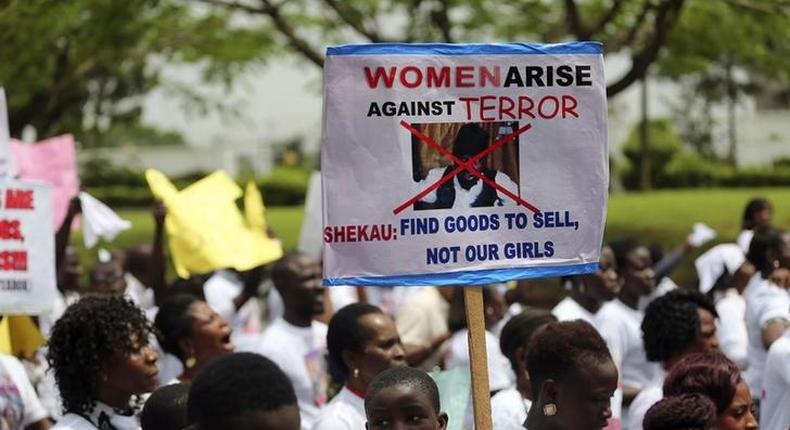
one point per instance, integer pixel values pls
(253, 207)
(206, 230)
(19, 336)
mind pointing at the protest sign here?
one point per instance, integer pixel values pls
(310, 237)
(206, 230)
(463, 164)
(27, 247)
(53, 161)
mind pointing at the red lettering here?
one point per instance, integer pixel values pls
(468, 101)
(486, 107)
(380, 74)
(13, 261)
(569, 104)
(18, 199)
(503, 110)
(442, 79)
(404, 77)
(10, 230)
(555, 105)
(494, 78)
(464, 76)
(525, 105)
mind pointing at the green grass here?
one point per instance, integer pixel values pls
(662, 216)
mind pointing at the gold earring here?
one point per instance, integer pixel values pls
(355, 374)
(550, 409)
(190, 362)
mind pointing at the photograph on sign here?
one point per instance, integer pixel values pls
(462, 164)
(439, 149)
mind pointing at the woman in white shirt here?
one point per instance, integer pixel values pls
(589, 292)
(362, 342)
(767, 304)
(103, 362)
(509, 407)
(190, 330)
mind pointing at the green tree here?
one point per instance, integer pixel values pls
(82, 65)
(638, 26)
(714, 41)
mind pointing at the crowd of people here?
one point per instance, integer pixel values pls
(272, 348)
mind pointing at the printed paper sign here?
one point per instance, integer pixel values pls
(463, 164)
(27, 248)
(53, 161)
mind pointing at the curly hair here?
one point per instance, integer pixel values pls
(234, 384)
(90, 332)
(683, 412)
(519, 330)
(711, 374)
(560, 349)
(671, 323)
(344, 333)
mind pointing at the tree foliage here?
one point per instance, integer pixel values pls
(82, 65)
(639, 26)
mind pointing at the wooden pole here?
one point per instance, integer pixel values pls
(475, 321)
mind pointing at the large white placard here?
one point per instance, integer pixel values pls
(27, 247)
(463, 164)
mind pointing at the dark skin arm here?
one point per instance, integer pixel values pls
(64, 232)
(252, 279)
(773, 331)
(44, 424)
(157, 276)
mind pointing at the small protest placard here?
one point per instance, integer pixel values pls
(27, 247)
(463, 164)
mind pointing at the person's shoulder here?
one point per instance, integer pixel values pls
(73, 422)
(339, 414)
(319, 328)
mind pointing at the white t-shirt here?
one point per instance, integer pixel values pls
(19, 405)
(745, 239)
(731, 327)
(509, 410)
(665, 285)
(500, 374)
(102, 412)
(642, 402)
(300, 353)
(621, 329)
(138, 293)
(465, 198)
(220, 290)
(764, 301)
(568, 310)
(421, 320)
(775, 401)
(346, 411)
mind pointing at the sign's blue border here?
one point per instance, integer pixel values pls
(466, 277)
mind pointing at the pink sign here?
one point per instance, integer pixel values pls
(53, 161)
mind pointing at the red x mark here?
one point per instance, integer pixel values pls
(464, 165)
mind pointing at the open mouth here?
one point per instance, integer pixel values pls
(226, 343)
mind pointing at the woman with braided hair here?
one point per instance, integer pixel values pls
(103, 362)
(683, 412)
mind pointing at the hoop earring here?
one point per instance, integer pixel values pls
(550, 409)
(190, 362)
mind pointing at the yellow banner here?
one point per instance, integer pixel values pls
(205, 228)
